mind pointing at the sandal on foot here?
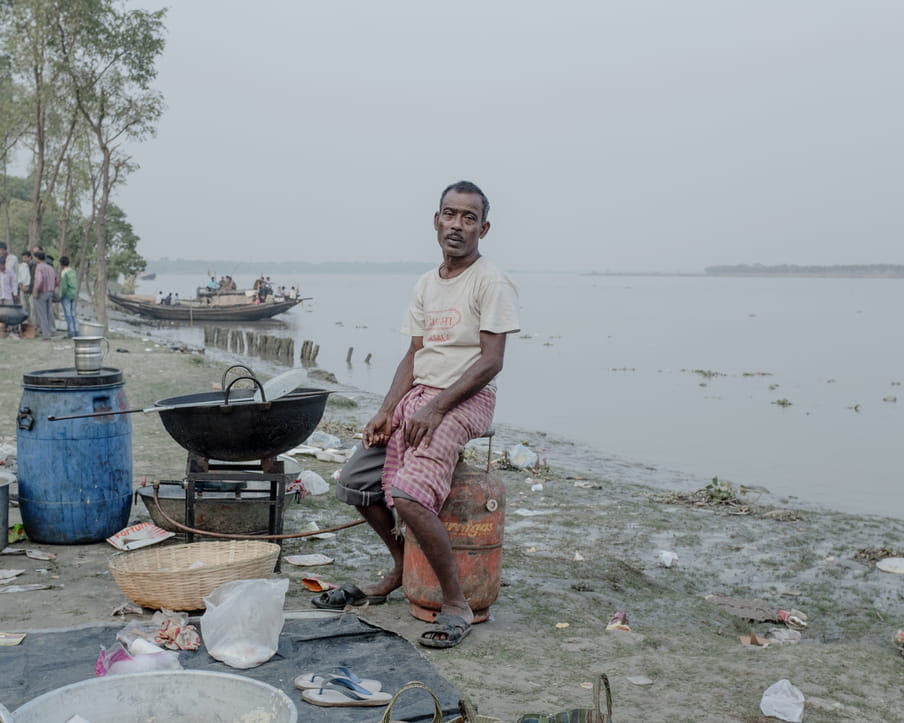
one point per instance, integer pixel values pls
(447, 632)
(308, 681)
(342, 692)
(340, 597)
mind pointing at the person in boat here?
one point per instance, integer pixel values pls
(443, 394)
(212, 285)
(176, 299)
(159, 299)
(293, 293)
(230, 284)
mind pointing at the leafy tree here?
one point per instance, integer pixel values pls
(13, 125)
(28, 33)
(121, 246)
(109, 56)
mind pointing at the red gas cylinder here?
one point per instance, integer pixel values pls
(474, 515)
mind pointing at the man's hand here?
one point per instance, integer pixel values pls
(420, 427)
(377, 430)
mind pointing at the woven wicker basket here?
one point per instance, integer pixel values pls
(177, 577)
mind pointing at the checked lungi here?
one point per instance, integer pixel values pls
(424, 473)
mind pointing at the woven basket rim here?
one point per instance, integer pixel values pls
(184, 584)
(245, 550)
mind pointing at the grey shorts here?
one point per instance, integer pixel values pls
(360, 481)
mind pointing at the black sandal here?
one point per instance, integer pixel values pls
(341, 597)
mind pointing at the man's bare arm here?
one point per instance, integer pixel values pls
(378, 429)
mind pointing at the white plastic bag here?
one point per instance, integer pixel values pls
(782, 700)
(243, 620)
(118, 661)
(522, 457)
(313, 483)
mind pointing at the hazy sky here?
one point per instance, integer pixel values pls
(635, 135)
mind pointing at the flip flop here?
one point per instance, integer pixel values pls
(339, 598)
(309, 681)
(454, 627)
(341, 692)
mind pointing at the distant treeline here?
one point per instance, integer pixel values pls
(795, 270)
(195, 266)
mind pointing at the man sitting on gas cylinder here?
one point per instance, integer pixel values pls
(442, 395)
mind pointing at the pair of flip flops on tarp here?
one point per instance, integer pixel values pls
(447, 631)
(341, 688)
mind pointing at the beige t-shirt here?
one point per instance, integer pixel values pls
(450, 314)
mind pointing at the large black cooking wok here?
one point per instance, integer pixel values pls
(234, 427)
(12, 314)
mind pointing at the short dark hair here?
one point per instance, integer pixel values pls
(25, 253)
(468, 187)
(3, 245)
(39, 255)
(64, 261)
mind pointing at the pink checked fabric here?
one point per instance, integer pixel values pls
(425, 473)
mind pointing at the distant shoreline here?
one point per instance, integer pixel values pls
(207, 268)
(740, 275)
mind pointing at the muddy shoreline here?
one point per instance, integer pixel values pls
(578, 548)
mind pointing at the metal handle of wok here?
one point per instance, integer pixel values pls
(238, 379)
(197, 405)
(236, 366)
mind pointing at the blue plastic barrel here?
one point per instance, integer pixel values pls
(75, 475)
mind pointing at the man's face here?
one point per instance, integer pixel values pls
(459, 225)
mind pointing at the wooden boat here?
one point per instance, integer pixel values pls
(224, 307)
(148, 277)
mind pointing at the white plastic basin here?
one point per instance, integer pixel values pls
(179, 696)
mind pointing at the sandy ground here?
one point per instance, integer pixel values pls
(580, 549)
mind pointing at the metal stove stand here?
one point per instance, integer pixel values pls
(200, 472)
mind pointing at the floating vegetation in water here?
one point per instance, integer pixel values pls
(783, 515)
(869, 555)
(773, 387)
(757, 374)
(782, 403)
(707, 373)
(622, 369)
(722, 491)
(718, 493)
(889, 399)
(855, 408)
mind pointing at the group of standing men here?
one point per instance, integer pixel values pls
(34, 283)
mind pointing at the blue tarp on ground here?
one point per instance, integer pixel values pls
(47, 660)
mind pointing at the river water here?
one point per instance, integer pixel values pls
(785, 383)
